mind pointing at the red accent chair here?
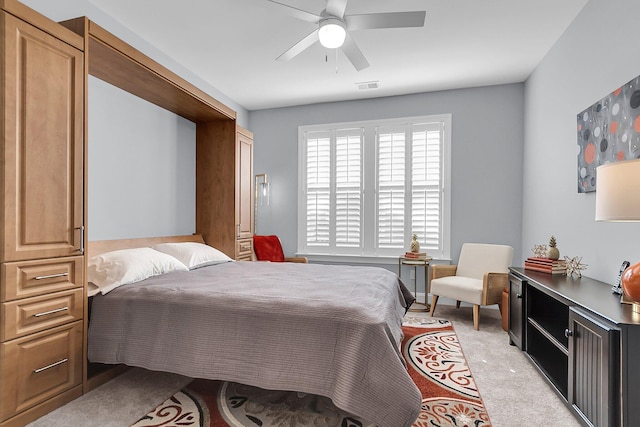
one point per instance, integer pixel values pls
(269, 248)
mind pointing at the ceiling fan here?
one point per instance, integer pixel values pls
(334, 28)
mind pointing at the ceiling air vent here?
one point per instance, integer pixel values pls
(368, 85)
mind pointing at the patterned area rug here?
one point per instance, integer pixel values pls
(435, 362)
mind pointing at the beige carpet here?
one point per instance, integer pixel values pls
(513, 391)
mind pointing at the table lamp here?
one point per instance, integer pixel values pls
(618, 199)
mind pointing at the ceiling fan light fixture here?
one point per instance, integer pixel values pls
(332, 33)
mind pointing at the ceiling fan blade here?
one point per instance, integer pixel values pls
(354, 54)
(299, 47)
(299, 13)
(336, 7)
(385, 20)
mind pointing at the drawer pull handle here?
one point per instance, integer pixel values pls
(57, 310)
(245, 248)
(51, 276)
(53, 365)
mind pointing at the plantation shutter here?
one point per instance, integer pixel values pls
(318, 188)
(391, 188)
(426, 184)
(348, 188)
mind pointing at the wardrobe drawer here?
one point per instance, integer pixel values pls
(244, 249)
(30, 278)
(39, 366)
(35, 314)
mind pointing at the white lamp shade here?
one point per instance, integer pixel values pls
(332, 33)
(618, 191)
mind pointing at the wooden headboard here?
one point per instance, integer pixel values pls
(98, 247)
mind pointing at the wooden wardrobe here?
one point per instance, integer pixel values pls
(42, 252)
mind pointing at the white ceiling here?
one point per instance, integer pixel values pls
(232, 44)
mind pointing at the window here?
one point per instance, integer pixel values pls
(366, 187)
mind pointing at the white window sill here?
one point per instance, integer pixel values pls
(361, 259)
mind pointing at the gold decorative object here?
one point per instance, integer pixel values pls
(415, 246)
(539, 251)
(553, 252)
(574, 266)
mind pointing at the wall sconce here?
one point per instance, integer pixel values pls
(262, 192)
(618, 199)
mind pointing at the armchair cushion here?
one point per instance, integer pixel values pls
(268, 248)
(458, 288)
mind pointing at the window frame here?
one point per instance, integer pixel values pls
(368, 253)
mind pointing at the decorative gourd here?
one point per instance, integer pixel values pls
(553, 252)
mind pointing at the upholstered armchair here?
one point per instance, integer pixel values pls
(479, 277)
(269, 248)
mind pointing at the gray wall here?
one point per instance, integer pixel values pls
(487, 148)
(597, 54)
(141, 167)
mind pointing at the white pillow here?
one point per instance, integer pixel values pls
(112, 269)
(193, 255)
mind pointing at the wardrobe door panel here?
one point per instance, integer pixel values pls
(43, 134)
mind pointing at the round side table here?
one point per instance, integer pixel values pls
(415, 263)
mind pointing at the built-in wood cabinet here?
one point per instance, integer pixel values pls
(42, 289)
(584, 342)
(244, 194)
(224, 199)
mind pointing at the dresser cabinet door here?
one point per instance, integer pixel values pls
(42, 127)
(593, 369)
(516, 311)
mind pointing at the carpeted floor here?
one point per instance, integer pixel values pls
(513, 391)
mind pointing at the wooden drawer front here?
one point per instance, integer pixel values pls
(244, 249)
(39, 277)
(38, 367)
(26, 316)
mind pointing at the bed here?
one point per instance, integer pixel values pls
(328, 330)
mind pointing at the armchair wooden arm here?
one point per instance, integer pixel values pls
(492, 286)
(300, 259)
(442, 270)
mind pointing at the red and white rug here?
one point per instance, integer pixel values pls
(435, 362)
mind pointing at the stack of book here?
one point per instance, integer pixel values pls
(546, 265)
(416, 255)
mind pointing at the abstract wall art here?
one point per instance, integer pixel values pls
(608, 131)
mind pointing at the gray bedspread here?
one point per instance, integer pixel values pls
(328, 330)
